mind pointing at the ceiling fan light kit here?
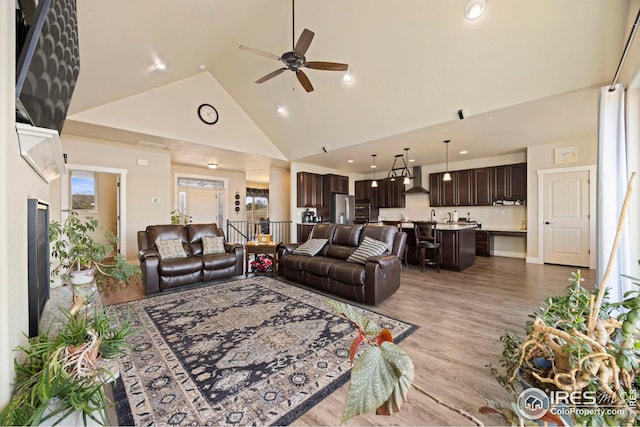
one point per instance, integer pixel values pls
(295, 59)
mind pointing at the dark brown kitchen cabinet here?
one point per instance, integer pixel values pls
(391, 193)
(458, 248)
(331, 183)
(303, 231)
(483, 187)
(510, 182)
(449, 190)
(483, 243)
(309, 190)
(435, 189)
(464, 186)
(365, 193)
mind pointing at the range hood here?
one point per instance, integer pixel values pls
(417, 181)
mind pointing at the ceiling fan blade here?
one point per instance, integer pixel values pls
(303, 42)
(260, 52)
(331, 66)
(304, 81)
(270, 75)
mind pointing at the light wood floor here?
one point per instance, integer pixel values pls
(461, 316)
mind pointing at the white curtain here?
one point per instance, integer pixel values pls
(612, 186)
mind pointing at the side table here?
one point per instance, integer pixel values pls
(257, 249)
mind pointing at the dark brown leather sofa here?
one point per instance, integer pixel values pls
(159, 275)
(329, 271)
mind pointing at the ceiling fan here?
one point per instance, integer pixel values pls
(295, 59)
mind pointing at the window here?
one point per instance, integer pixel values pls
(84, 191)
(257, 204)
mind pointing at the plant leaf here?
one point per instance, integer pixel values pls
(403, 367)
(378, 373)
(369, 327)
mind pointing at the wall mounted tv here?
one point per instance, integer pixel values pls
(48, 64)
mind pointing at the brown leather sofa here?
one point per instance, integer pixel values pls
(159, 274)
(329, 271)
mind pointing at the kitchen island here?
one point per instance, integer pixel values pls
(458, 245)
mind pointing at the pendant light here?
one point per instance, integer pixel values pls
(407, 177)
(374, 183)
(447, 175)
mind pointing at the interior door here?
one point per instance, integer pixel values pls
(566, 218)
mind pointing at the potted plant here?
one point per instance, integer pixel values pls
(580, 358)
(62, 373)
(82, 258)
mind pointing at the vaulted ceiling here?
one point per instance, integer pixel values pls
(524, 74)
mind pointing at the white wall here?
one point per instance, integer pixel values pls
(18, 182)
(279, 195)
(541, 157)
(144, 184)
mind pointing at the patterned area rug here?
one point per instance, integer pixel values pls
(246, 352)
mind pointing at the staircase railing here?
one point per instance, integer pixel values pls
(244, 231)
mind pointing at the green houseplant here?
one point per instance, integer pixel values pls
(79, 252)
(581, 351)
(61, 372)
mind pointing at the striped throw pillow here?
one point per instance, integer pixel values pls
(170, 249)
(310, 247)
(368, 247)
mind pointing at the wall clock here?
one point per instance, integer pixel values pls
(208, 114)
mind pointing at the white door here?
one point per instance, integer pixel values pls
(204, 206)
(566, 218)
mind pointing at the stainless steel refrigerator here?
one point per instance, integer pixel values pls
(342, 208)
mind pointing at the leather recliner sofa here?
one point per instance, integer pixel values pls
(330, 271)
(161, 274)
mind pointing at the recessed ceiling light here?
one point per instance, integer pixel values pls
(464, 152)
(159, 65)
(373, 166)
(212, 165)
(282, 110)
(412, 160)
(202, 67)
(347, 77)
(350, 161)
(474, 9)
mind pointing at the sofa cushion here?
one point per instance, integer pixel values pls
(218, 261)
(180, 266)
(347, 272)
(318, 266)
(170, 249)
(345, 240)
(368, 247)
(212, 245)
(195, 233)
(311, 247)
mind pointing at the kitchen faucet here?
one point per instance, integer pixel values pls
(449, 216)
(433, 214)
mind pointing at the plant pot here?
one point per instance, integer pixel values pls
(82, 277)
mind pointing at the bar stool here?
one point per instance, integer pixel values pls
(427, 244)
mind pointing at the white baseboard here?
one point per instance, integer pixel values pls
(509, 254)
(534, 260)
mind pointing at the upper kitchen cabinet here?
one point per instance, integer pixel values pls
(309, 190)
(464, 187)
(483, 187)
(435, 189)
(510, 182)
(331, 183)
(391, 193)
(365, 193)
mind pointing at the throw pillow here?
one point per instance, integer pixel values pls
(170, 249)
(368, 247)
(212, 245)
(310, 247)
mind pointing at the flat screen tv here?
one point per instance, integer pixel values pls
(48, 65)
